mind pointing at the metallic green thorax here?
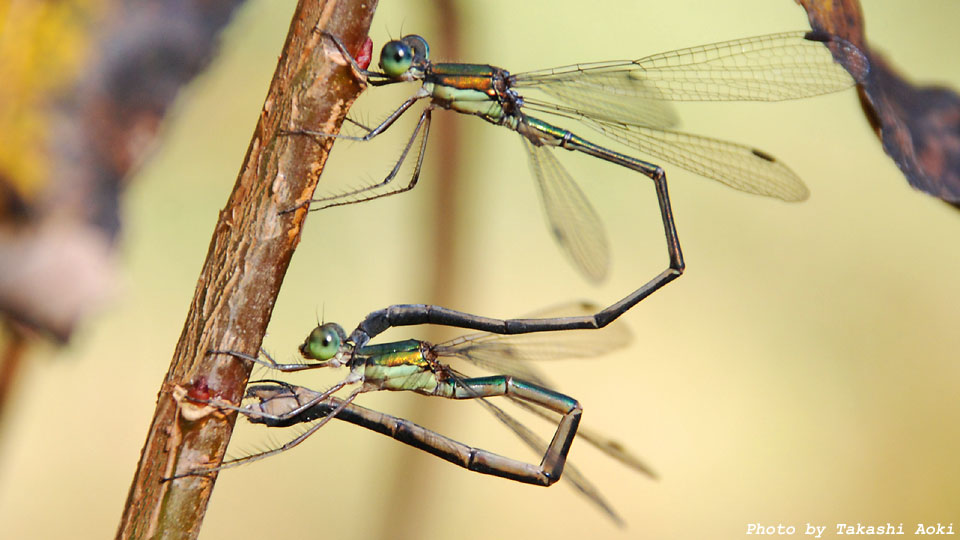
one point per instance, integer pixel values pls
(442, 72)
(401, 365)
(385, 349)
(466, 88)
(411, 365)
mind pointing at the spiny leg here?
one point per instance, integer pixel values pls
(269, 362)
(261, 455)
(364, 127)
(302, 405)
(371, 132)
(272, 364)
(338, 200)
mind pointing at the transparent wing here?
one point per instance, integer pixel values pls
(573, 221)
(507, 355)
(738, 166)
(570, 472)
(510, 354)
(772, 67)
(610, 98)
(620, 98)
(608, 446)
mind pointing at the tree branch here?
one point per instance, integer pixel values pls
(246, 262)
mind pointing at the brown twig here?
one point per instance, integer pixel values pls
(247, 259)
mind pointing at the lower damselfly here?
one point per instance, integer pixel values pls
(627, 101)
(418, 366)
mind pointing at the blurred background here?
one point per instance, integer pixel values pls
(803, 369)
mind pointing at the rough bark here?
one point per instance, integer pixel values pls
(249, 253)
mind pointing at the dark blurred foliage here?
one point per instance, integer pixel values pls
(86, 86)
(918, 125)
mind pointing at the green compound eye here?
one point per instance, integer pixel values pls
(323, 343)
(421, 50)
(396, 57)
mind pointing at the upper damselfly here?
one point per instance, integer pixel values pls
(628, 101)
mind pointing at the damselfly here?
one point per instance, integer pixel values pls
(626, 101)
(416, 366)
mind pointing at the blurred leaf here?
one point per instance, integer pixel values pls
(42, 48)
(918, 125)
(86, 86)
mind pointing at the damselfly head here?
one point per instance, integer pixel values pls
(325, 344)
(397, 57)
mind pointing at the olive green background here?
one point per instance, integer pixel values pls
(803, 370)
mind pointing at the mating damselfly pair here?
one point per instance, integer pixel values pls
(627, 101)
